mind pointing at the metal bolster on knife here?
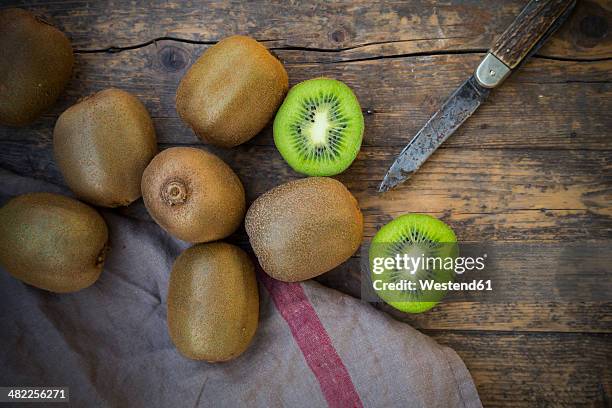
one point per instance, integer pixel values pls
(491, 72)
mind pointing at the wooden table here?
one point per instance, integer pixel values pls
(533, 165)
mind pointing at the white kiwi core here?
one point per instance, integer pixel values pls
(318, 128)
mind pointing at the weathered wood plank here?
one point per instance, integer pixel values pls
(527, 370)
(565, 305)
(349, 30)
(583, 317)
(486, 194)
(549, 104)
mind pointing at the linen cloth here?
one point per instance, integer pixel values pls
(109, 343)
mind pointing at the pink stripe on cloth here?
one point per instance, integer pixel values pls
(313, 340)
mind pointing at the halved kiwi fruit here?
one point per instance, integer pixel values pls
(417, 236)
(319, 127)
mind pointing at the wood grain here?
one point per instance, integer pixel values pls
(536, 369)
(561, 105)
(533, 165)
(545, 298)
(359, 29)
(506, 194)
(548, 104)
(490, 195)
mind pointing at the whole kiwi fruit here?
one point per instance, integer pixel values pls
(213, 303)
(102, 146)
(52, 242)
(232, 91)
(304, 228)
(193, 194)
(36, 62)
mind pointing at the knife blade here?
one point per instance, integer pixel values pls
(534, 25)
(460, 106)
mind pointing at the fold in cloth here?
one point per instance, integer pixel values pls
(314, 346)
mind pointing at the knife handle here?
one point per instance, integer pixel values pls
(527, 30)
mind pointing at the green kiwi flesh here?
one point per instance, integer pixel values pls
(304, 228)
(319, 127)
(193, 194)
(102, 146)
(416, 235)
(213, 302)
(232, 91)
(36, 62)
(52, 242)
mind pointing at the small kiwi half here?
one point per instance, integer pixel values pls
(417, 235)
(36, 62)
(319, 127)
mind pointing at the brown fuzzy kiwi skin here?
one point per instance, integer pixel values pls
(232, 91)
(304, 228)
(213, 302)
(36, 62)
(193, 195)
(102, 145)
(52, 242)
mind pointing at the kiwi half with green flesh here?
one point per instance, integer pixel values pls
(36, 62)
(319, 127)
(193, 194)
(102, 145)
(213, 303)
(232, 91)
(52, 242)
(304, 228)
(417, 235)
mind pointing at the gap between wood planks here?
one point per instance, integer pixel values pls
(117, 49)
(164, 145)
(534, 333)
